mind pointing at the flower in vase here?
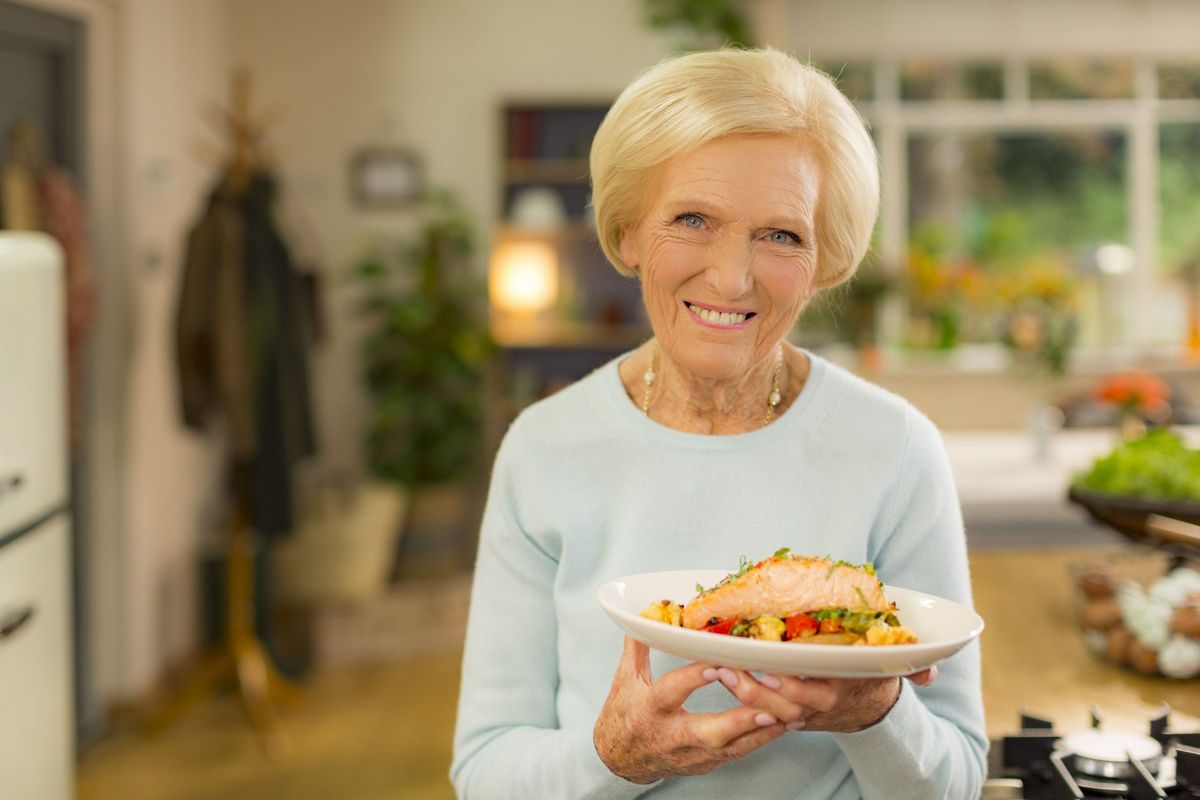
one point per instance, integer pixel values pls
(1138, 396)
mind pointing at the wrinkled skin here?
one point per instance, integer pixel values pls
(644, 734)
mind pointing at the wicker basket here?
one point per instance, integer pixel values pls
(344, 550)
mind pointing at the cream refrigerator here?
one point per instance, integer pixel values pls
(36, 715)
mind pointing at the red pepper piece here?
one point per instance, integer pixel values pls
(800, 625)
(722, 626)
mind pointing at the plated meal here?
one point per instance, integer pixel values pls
(792, 598)
(791, 615)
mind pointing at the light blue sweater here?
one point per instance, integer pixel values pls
(586, 489)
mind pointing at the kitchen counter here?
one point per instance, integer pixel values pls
(1034, 657)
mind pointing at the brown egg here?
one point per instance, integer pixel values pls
(1101, 613)
(1097, 582)
(1142, 658)
(1119, 641)
(1186, 621)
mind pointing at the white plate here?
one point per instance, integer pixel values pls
(942, 628)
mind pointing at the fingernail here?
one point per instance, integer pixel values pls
(771, 682)
(795, 726)
(764, 720)
(728, 677)
(709, 674)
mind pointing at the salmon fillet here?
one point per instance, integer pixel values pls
(787, 584)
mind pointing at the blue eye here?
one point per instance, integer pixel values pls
(691, 220)
(784, 237)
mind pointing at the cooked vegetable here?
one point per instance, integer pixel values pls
(721, 625)
(798, 626)
(770, 628)
(664, 611)
(793, 598)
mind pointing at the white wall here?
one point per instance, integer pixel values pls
(436, 74)
(175, 57)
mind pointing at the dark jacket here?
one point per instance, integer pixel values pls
(242, 341)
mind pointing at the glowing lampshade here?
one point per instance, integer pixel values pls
(524, 277)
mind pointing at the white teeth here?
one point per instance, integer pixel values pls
(717, 317)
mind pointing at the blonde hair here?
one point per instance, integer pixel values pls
(686, 101)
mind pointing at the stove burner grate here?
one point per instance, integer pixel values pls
(1096, 763)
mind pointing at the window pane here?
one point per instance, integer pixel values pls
(1179, 193)
(925, 79)
(1001, 222)
(1080, 80)
(1179, 235)
(1179, 81)
(856, 79)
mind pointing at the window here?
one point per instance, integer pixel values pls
(999, 215)
(1087, 169)
(1081, 80)
(927, 79)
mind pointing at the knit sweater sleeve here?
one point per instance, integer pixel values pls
(508, 742)
(932, 744)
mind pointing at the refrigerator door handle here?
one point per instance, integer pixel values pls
(14, 621)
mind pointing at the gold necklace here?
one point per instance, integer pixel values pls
(773, 399)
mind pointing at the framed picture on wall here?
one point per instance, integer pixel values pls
(385, 177)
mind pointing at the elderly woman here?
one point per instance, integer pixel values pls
(734, 185)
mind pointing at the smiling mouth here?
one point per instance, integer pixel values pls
(724, 319)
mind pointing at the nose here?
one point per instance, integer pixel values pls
(729, 270)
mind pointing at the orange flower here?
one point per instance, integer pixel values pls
(1135, 391)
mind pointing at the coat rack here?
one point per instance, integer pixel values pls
(242, 656)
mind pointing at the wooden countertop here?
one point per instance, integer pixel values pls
(1034, 655)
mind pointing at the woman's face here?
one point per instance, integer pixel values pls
(725, 251)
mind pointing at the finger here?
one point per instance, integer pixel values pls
(635, 661)
(718, 730)
(749, 742)
(674, 687)
(924, 677)
(810, 693)
(754, 694)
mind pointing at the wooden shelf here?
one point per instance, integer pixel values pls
(570, 232)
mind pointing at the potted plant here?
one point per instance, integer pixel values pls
(1038, 322)
(424, 360)
(699, 24)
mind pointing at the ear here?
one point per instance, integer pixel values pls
(627, 250)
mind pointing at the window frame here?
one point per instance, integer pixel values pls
(893, 120)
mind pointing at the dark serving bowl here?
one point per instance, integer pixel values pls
(1129, 515)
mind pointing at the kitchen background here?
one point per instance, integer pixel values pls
(1034, 289)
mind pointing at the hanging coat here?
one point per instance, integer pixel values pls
(242, 346)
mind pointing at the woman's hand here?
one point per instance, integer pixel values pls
(820, 704)
(644, 734)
